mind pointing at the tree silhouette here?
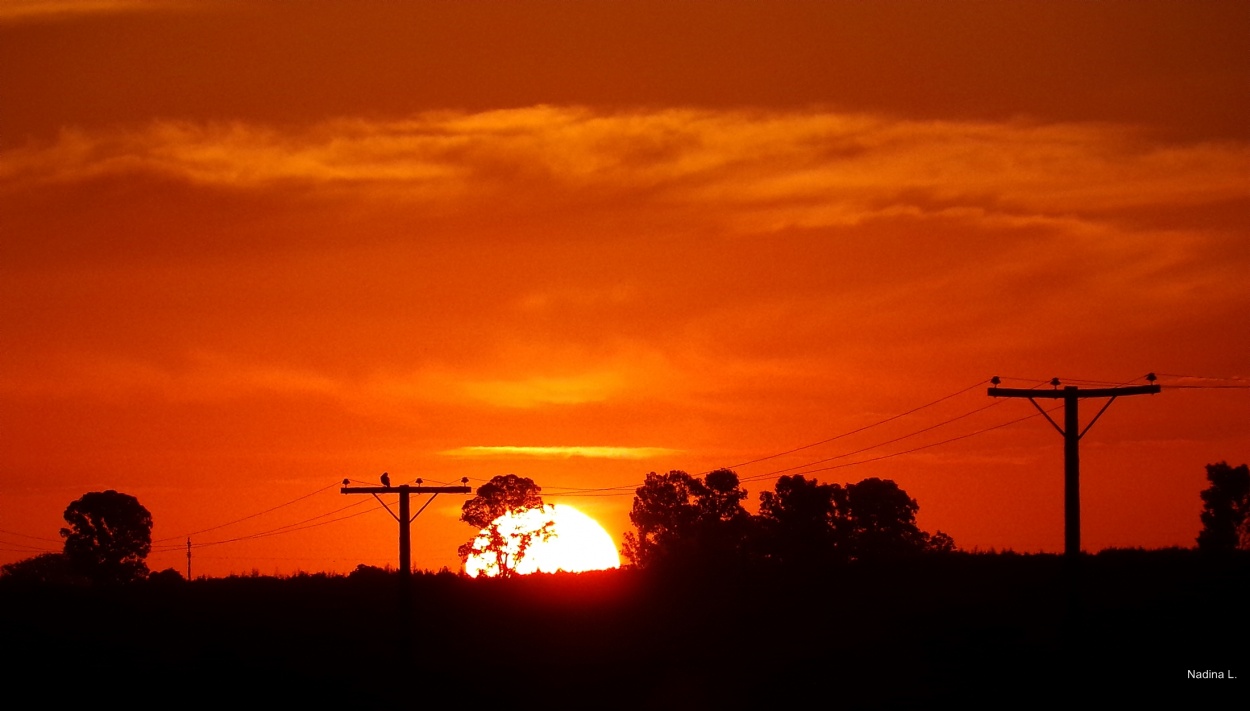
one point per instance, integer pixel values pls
(881, 519)
(806, 522)
(681, 518)
(492, 512)
(939, 542)
(108, 537)
(725, 527)
(685, 520)
(167, 576)
(801, 522)
(44, 568)
(664, 513)
(503, 545)
(500, 495)
(1225, 505)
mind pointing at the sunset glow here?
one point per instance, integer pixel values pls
(576, 543)
(251, 249)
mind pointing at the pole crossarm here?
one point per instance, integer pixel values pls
(406, 488)
(404, 519)
(1072, 434)
(1083, 393)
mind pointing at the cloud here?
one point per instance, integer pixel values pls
(759, 170)
(584, 265)
(562, 452)
(19, 10)
(535, 391)
(202, 378)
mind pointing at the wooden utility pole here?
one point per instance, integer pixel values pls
(1072, 434)
(405, 521)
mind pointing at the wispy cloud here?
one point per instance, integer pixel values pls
(592, 387)
(589, 452)
(18, 10)
(761, 170)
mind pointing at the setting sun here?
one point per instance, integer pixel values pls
(577, 543)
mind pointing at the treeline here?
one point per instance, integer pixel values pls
(683, 520)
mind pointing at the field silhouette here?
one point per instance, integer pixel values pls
(951, 628)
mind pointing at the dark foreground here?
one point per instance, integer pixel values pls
(981, 629)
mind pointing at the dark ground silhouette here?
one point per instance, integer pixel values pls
(954, 628)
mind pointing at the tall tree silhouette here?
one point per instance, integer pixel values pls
(498, 540)
(881, 519)
(1225, 506)
(500, 495)
(684, 519)
(109, 535)
(801, 522)
(806, 522)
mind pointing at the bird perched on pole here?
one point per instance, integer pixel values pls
(386, 480)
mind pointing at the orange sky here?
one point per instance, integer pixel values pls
(250, 249)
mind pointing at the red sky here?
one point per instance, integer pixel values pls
(250, 249)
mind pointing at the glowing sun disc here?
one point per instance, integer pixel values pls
(577, 543)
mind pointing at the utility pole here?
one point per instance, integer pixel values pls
(1072, 434)
(405, 520)
(188, 557)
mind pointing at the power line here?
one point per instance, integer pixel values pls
(278, 532)
(629, 489)
(1208, 387)
(250, 516)
(758, 477)
(875, 446)
(1236, 378)
(626, 488)
(932, 444)
(37, 538)
(286, 529)
(860, 429)
(23, 548)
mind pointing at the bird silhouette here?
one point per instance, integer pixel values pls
(386, 480)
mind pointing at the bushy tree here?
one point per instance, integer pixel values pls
(688, 520)
(108, 537)
(499, 540)
(168, 576)
(801, 522)
(45, 568)
(664, 514)
(1225, 507)
(501, 548)
(806, 522)
(881, 520)
(500, 495)
(681, 519)
(939, 542)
